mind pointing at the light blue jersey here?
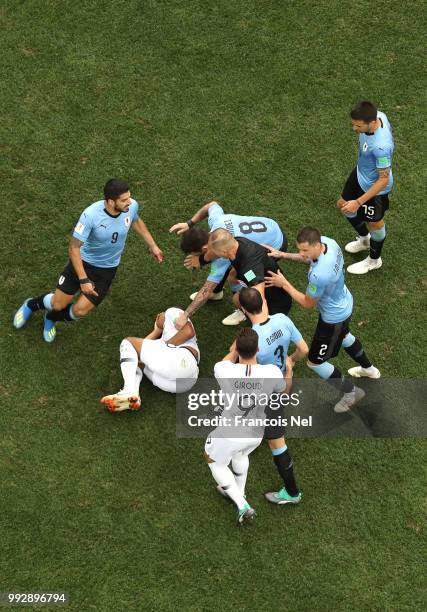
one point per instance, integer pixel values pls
(326, 284)
(375, 152)
(274, 336)
(258, 229)
(104, 236)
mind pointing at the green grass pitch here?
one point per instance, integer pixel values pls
(245, 102)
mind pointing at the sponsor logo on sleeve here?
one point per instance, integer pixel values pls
(383, 162)
(312, 287)
(79, 229)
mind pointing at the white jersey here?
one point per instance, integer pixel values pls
(247, 391)
(169, 330)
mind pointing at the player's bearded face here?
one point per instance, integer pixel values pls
(123, 202)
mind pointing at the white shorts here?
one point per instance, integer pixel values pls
(173, 369)
(222, 450)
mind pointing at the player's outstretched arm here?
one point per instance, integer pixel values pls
(282, 255)
(142, 230)
(86, 285)
(202, 213)
(201, 298)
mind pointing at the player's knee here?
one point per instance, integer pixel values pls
(81, 310)
(58, 303)
(375, 225)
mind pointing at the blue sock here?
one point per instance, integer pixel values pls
(279, 451)
(324, 370)
(378, 234)
(348, 341)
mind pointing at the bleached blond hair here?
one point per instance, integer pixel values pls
(220, 240)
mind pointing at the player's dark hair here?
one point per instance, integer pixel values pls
(251, 300)
(114, 188)
(247, 343)
(310, 235)
(194, 239)
(364, 111)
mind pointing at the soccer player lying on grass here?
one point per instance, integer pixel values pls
(194, 242)
(169, 359)
(221, 449)
(275, 333)
(327, 291)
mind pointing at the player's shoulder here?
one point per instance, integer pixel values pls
(224, 368)
(94, 210)
(269, 370)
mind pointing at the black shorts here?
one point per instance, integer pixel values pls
(273, 432)
(327, 340)
(277, 300)
(69, 283)
(372, 210)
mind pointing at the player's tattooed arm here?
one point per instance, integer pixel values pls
(282, 255)
(380, 184)
(201, 298)
(202, 213)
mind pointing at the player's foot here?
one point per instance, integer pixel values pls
(22, 315)
(349, 400)
(49, 330)
(235, 318)
(364, 266)
(215, 297)
(245, 515)
(282, 497)
(360, 244)
(121, 401)
(359, 372)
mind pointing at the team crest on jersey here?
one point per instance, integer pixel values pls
(365, 147)
(127, 221)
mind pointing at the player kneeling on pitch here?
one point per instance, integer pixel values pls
(241, 419)
(169, 359)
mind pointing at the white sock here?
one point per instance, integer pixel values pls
(128, 366)
(240, 465)
(138, 379)
(224, 477)
(47, 301)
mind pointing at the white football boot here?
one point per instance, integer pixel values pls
(360, 244)
(349, 400)
(359, 372)
(121, 401)
(365, 266)
(235, 318)
(215, 297)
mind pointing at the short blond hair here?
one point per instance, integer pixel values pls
(220, 240)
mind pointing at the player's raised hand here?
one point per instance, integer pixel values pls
(192, 262)
(274, 279)
(178, 228)
(156, 253)
(181, 321)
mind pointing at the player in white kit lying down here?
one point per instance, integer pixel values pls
(167, 357)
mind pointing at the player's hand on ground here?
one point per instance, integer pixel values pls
(350, 206)
(274, 279)
(88, 288)
(181, 321)
(274, 252)
(192, 262)
(156, 253)
(178, 228)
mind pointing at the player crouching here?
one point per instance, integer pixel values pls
(169, 359)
